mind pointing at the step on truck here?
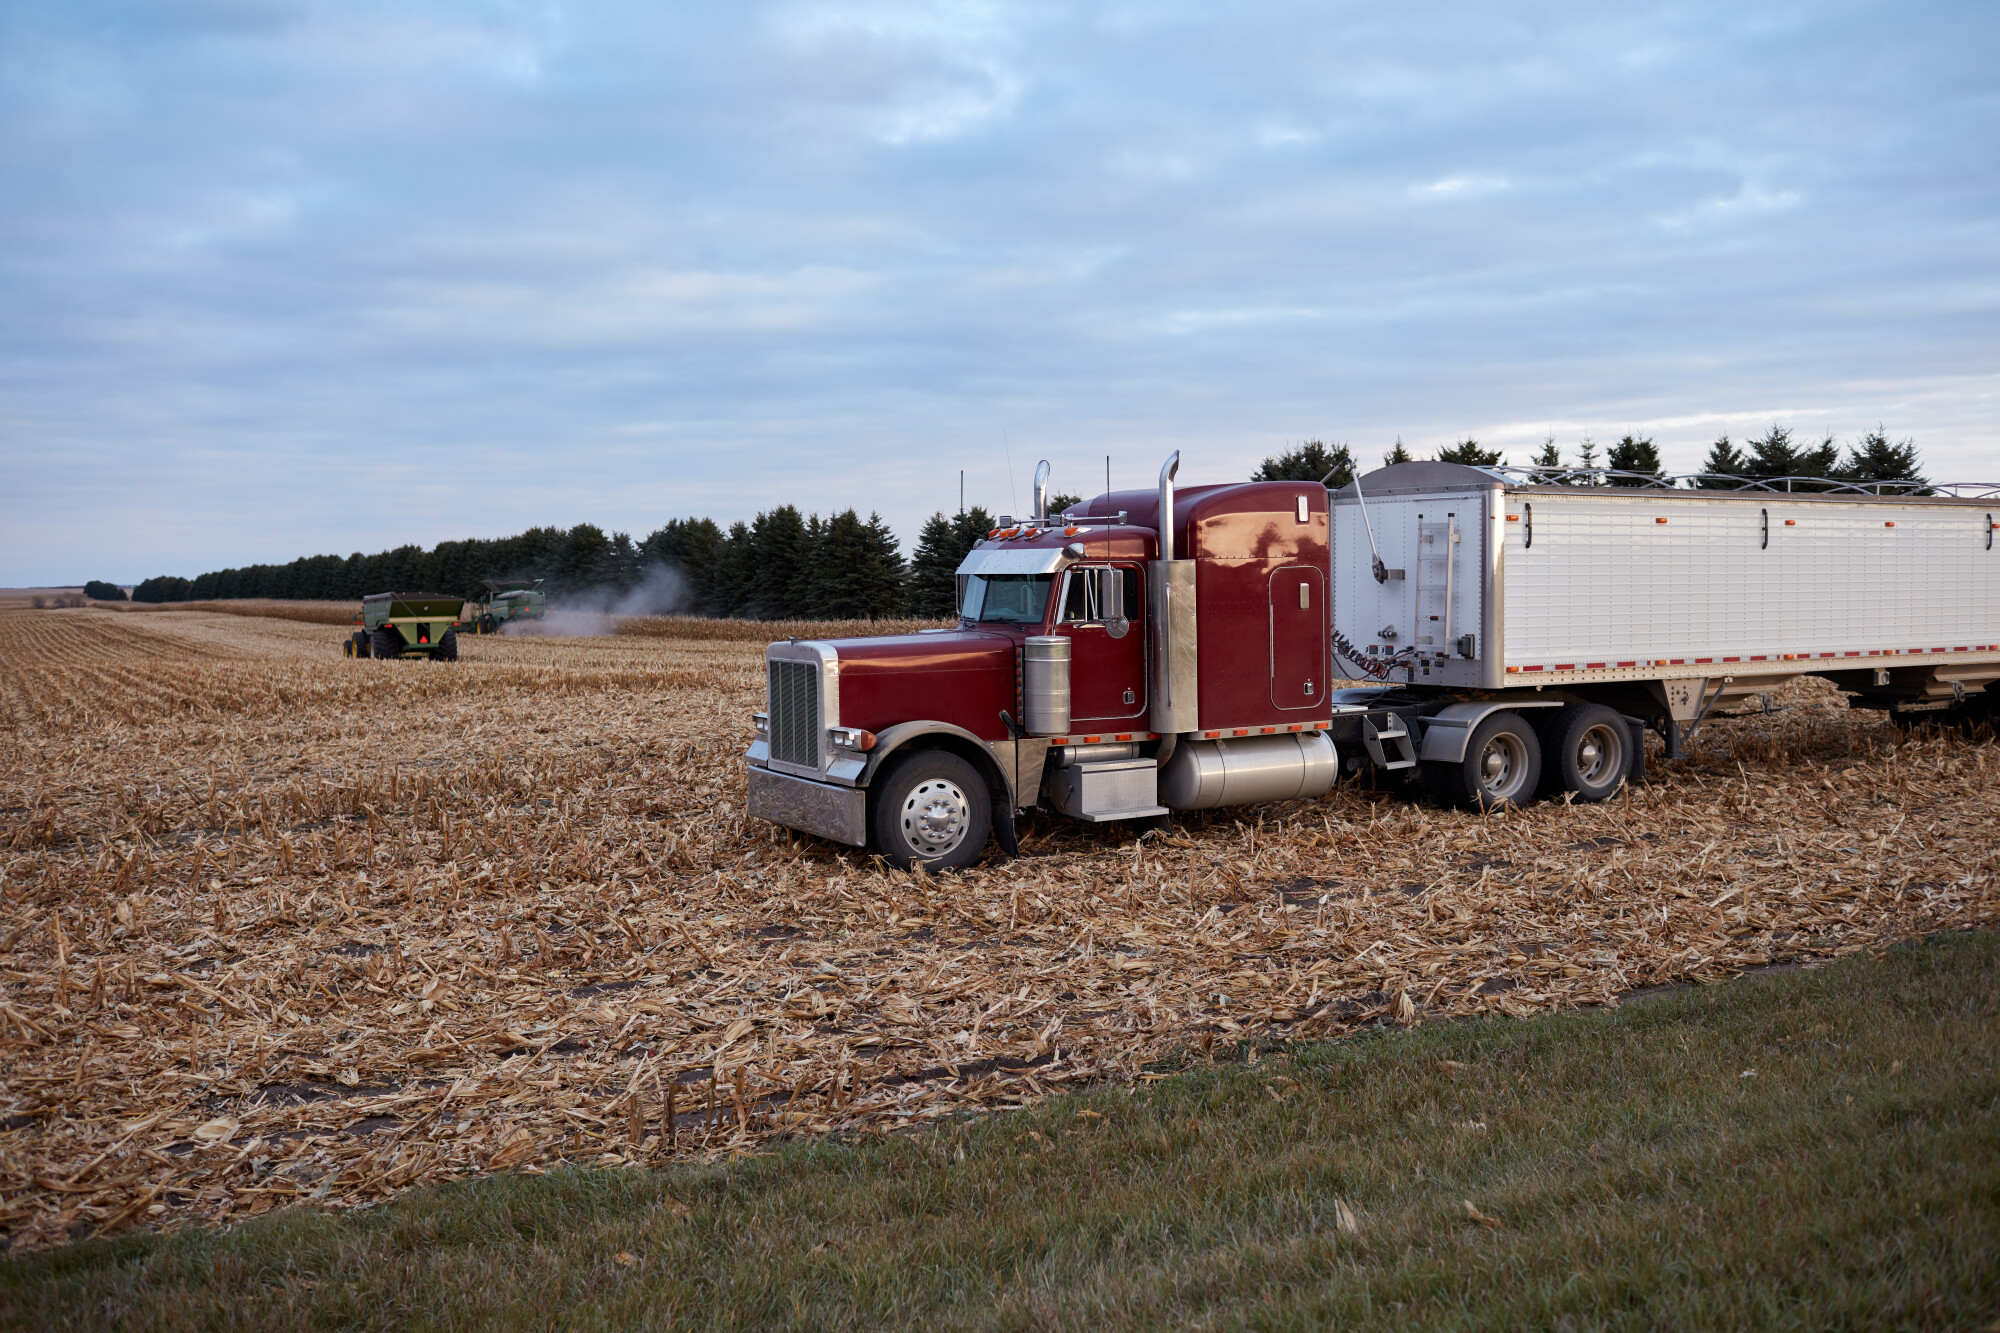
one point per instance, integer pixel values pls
(1520, 632)
(403, 624)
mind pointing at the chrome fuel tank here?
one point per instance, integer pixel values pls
(1205, 774)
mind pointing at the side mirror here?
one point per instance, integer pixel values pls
(1112, 584)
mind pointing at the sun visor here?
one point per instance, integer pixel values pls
(1013, 560)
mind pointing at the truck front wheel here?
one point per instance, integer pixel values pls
(931, 807)
(1502, 766)
(1589, 751)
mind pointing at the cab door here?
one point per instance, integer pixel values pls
(1103, 614)
(1298, 637)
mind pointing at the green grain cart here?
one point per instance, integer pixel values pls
(407, 624)
(518, 599)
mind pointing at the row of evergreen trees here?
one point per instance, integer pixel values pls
(784, 565)
(1776, 454)
(781, 566)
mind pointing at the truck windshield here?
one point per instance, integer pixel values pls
(1012, 599)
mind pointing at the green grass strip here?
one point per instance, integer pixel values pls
(1812, 1150)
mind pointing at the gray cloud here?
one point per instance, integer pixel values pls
(286, 278)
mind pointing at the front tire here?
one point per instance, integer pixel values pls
(1502, 766)
(931, 808)
(1589, 751)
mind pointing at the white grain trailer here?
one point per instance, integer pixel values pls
(1525, 632)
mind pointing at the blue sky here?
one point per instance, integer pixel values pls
(287, 278)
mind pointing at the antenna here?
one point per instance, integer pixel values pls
(1013, 492)
(961, 492)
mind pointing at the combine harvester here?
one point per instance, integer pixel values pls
(505, 600)
(401, 624)
(1153, 651)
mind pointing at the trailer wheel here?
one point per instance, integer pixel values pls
(447, 647)
(1588, 751)
(931, 807)
(1502, 766)
(387, 643)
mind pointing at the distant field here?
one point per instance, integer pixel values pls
(280, 926)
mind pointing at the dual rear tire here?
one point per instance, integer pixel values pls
(1583, 749)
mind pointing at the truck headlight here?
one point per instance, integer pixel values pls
(762, 722)
(851, 738)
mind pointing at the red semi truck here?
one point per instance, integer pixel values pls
(1156, 651)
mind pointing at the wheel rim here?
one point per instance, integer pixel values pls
(935, 818)
(1598, 755)
(1502, 766)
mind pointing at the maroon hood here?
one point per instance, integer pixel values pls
(965, 677)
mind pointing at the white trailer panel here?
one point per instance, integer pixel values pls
(1581, 584)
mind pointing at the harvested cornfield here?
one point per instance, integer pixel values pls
(280, 926)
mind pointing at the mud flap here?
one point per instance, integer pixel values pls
(1003, 827)
(1635, 772)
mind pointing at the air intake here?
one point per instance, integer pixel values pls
(794, 710)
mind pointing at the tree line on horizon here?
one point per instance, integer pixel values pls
(1773, 455)
(784, 565)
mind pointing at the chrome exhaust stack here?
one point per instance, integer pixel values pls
(1042, 493)
(1170, 586)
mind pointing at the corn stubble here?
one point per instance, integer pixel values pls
(281, 926)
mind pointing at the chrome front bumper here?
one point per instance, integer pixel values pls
(822, 809)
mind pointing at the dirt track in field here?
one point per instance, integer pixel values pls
(278, 926)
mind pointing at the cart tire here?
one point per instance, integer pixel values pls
(1502, 766)
(387, 644)
(1586, 751)
(930, 807)
(447, 647)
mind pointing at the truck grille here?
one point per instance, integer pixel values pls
(794, 710)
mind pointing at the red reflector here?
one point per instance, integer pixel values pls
(1594, 666)
(1565, 666)
(1125, 736)
(1240, 731)
(867, 741)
